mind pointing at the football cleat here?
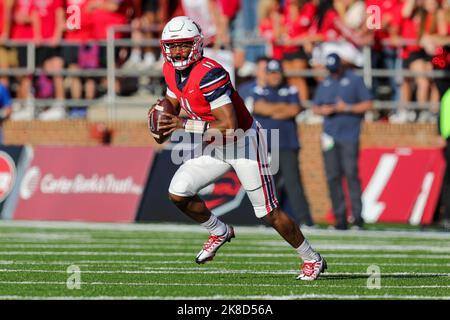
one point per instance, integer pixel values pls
(213, 244)
(311, 270)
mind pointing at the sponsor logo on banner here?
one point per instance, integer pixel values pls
(30, 182)
(84, 183)
(13, 161)
(7, 175)
(79, 184)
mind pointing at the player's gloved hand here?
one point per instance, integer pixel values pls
(171, 123)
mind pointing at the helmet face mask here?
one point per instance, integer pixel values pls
(182, 31)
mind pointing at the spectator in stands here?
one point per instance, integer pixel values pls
(270, 28)
(247, 88)
(22, 31)
(48, 20)
(385, 55)
(246, 27)
(334, 31)
(298, 17)
(419, 19)
(275, 106)
(152, 22)
(6, 55)
(321, 29)
(5, 108)
(106, 14)
(208, 15)
(229, 10)
(342, 98)
(78, 38)
(147, 23)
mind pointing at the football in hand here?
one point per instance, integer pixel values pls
(155, 114)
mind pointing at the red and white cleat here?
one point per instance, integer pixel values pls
(312, 269)
(213, 244)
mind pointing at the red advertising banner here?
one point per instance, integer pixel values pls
(103, 184)
(400, 185)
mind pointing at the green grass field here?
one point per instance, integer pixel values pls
(156, 261)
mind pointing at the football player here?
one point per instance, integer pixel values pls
(202, 88)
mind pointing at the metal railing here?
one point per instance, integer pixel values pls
(111, 72)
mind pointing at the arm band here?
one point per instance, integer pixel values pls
(196, 126)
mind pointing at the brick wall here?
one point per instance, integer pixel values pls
(136, 134)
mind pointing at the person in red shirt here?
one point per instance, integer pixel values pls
(5, 29)
(270, 19)
(48, 20)
(298, 17)
(78, 36)
(202, 88)
(106, 14)
(321, 30)
(386, 55)
(22, 31)
(418, 20)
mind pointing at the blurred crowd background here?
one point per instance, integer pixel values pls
(55, 62)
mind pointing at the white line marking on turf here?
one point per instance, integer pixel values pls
(168, 227)
(231, 297)
(219, 271)
(46, 236)
(131, 263)
(164, 284)
(235, 255)
(331, 247)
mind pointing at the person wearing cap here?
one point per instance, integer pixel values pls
(276, 104)
(342, 99)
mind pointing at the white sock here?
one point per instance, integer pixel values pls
(215, 226)
(306, 252)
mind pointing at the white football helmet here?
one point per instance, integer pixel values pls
(182, 29)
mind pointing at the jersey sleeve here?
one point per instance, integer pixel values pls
(215, 84)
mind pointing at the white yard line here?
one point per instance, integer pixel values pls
(219, 271)
(238, 255)
(153, 242)
(249, 246)
(46, 236)
(175, 284)
(130, 263)
(170, 227)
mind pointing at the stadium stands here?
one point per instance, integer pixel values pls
(111, 58)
